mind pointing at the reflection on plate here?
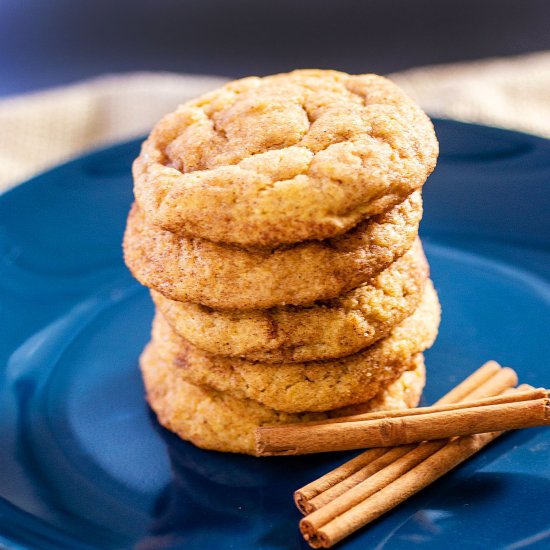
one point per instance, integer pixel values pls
(85, 465)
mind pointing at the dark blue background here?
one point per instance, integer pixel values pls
(50, 42)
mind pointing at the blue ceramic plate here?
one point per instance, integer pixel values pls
(83, 464)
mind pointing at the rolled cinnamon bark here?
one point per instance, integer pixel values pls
(422, 475)
(490, 379)
(389, 487)
(518, 410)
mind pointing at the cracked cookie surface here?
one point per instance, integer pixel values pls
(312, 385)
(227, 277)
(283, 159)
(215, 420)
(325, 330)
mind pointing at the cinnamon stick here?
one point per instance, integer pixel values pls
(385, 461)
(489, 379)
(534, 393)
(432, 468)
(303, 496)
(477, 382)
(502, 381)
(322, 516)
(388, 488)
(523, 410)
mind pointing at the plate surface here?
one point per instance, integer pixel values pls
(83, 463)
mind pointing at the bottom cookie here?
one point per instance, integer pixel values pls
(214, 420)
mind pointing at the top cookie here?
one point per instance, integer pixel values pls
(285, 158)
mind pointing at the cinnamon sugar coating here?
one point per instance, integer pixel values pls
(218, 421)
(286, 158)
(311, 385)
(227, 277)
(325, 330)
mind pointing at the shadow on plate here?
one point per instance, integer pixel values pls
(218, 500)
(224, 500)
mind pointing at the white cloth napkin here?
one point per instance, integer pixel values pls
(42, 129)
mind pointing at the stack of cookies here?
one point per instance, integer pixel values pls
(276, 224)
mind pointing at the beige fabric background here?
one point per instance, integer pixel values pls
(40, 130)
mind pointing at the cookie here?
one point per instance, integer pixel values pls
(326, 330)
(214, 420)
(312, 385)
(283, 159)
(227, 277)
